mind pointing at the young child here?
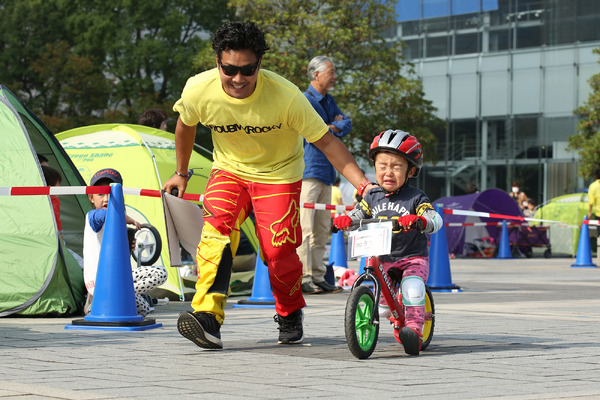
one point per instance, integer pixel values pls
(144, 278)
(398, 156)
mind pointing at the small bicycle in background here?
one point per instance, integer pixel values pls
(361, 321)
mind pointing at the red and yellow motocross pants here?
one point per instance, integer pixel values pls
(228, 200)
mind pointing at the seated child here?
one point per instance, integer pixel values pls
(144, 278)
(397, 157)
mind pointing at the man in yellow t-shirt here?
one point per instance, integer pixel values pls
(258, 121)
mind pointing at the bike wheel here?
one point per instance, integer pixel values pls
(361, 331)
(429, 319)
(149, 238)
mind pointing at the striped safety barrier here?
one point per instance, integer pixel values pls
(74, 190)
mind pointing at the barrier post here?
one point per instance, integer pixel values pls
(113, 306)
(584, 251)
(440, 279)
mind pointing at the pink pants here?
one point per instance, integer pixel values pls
(413, 266)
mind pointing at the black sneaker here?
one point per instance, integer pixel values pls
(411, 341)
(327, 287)
(290, 328)
(201, 328)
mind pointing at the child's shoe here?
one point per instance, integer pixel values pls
(411, 340)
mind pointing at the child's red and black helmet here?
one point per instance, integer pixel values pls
(399, 142)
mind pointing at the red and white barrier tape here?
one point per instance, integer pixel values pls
(592, 222)
(70, 190)
(492, 215)
(318, 206)
(481, 224)
(54, 190)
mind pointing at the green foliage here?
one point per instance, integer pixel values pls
(376, 86)
(79, 62)
(587, 142)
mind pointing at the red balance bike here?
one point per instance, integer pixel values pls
(362, 308)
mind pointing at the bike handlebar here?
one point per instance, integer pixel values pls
(417, 226)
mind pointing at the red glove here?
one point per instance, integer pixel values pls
(341, 222)
(408, 222)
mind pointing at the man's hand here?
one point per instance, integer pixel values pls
(176, 182)
(342, 222)
(408, 221)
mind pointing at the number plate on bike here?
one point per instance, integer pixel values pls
(370, 240)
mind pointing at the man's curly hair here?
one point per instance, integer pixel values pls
(239, 36)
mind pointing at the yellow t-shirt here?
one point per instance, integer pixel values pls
(594, 196)
(258, 138)
(336, 196)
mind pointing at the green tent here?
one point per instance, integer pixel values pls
(146, 158)
(569, 210)
(38, 273)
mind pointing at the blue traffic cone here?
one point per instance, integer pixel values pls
(262, 296)
(113, 306)
(584, 252)
(440, 279)
(363, 264)
(337, 253)
(504, 246)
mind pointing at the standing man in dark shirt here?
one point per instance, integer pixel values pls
(318, 178)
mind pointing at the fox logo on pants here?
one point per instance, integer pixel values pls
(281, 233)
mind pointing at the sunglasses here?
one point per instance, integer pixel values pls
(233, 70)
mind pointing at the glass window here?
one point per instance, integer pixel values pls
(530, 36)
(467, 43)
(436, 24)
(526, 137)
(558, 129)
(500, 40)
(411, 28)
(437, 46)
(463, 139)
(497, 146)
(390, 32)
(560, 31)
(413, 49)
(588, 7)
(466, 21)
(588, 28)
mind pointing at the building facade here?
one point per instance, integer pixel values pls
(506, 76)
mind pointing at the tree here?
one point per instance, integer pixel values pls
(376, 85)
(79, 62)
(587, 142)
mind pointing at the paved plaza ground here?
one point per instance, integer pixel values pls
(520, 329)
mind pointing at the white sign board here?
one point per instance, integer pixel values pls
(371, 240)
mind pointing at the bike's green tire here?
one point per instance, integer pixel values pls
(361, 331)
